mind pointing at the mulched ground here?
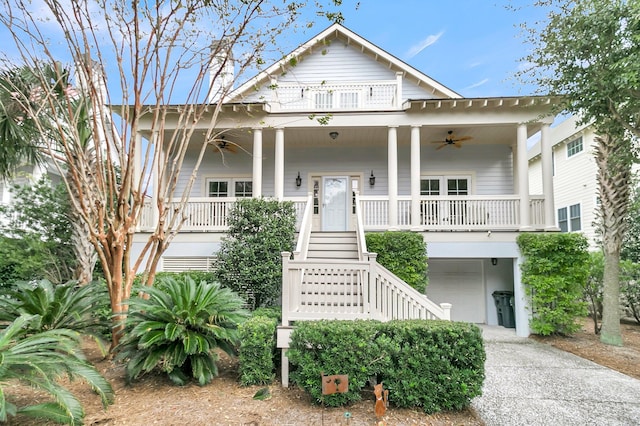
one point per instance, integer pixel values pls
(155, 401)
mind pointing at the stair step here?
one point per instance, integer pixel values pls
(332, 254)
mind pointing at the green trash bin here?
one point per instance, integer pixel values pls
(504, 306)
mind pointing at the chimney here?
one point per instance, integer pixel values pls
(221, 70)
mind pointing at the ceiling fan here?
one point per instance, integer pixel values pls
(224, 146)
(451, 139)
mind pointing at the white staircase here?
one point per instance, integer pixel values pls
(333, 245)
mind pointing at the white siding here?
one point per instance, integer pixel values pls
(575, 183)
(336, 63)
(488, 165)
(574, 180)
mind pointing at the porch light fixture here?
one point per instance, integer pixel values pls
(334, 135)
(372, 179)
(494, 261)
(298, 180)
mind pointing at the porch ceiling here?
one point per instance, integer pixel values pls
(374, 136)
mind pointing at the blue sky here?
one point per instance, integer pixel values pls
(473, 47)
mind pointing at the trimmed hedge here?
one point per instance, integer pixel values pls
(435, 365)
(554, 274)
(403, 253)
(257, 350)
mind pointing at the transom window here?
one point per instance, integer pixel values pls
(569, 218)
(237, 187)
(574, 147)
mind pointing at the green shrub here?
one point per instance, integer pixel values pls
(249, 260)
(435, 365)
(178, 328)
(37, 241)
(554, 273)
(39, 360)
(59, 306)
(403, 253)
(593, 288)
(335, 347)
(257, 350)
(630, 288)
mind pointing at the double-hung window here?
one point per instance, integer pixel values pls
(569, 218)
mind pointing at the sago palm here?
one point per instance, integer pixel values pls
(178, 327)
(61, 306)
(39, 360)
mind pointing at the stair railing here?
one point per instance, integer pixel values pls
(304, 234)
(362, 241)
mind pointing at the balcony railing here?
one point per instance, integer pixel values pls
(446, 213)
(367, 96)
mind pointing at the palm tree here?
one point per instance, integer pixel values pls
(34, 101)
(18, 130)
(39, 360)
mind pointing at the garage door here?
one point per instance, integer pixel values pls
(461, 283)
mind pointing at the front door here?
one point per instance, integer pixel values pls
(335, 203)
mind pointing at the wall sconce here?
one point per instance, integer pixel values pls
(372, 179)
(334, 135)
(298, 180)
(494, 261)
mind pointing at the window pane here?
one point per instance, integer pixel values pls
(574, 214)
(457, 187)
(218, 189)
(430, 187)
(574, 147)
(243, 188)
(562, 220)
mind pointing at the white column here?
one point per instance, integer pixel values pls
(137, 163)
(547, 178)
(392, 171)
(521, 308)
(523, 178)
(158, 158)
(415, 177)
(257, 162)
(278, 179)
(514, 160)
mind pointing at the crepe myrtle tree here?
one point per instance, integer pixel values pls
(157, 54)
(588, 52)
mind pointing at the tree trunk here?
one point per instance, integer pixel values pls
(610, 332)
(614, 178)
(85, 252)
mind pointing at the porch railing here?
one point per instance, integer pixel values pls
(205, 214)
(468, 212)
(455, 213)
(372, 95)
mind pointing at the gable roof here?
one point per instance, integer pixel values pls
(338, 31)
(565, 131)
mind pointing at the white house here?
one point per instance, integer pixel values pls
(399, 151)
(574, 177)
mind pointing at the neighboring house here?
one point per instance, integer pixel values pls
(574, 170)
(400, 152)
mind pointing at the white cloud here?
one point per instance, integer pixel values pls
(478, 84)
(419, 47)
